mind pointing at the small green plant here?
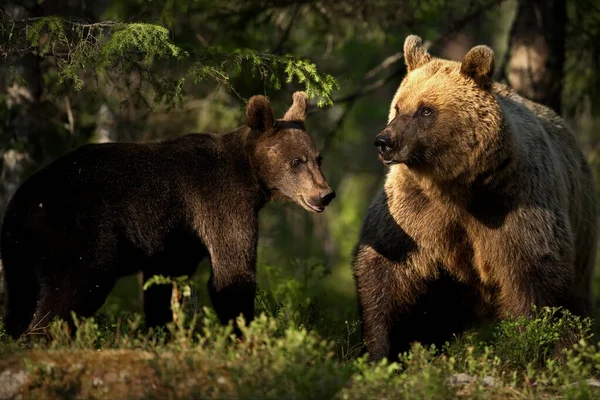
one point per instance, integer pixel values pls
(521, 341)
(182, 326)
(292, 298)
(348, 346)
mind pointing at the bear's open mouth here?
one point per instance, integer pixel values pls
(388, 161)
(312, 207)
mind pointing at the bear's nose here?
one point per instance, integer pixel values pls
(383, 144)
(327, 196)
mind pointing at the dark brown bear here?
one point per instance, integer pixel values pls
(487, 209)
(104, 211)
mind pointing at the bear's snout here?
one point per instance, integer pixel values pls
(384, 144)
(327, 196)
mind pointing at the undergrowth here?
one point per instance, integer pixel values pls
(294, 350)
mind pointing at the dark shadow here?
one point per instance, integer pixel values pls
(447, 308)
(384, 235)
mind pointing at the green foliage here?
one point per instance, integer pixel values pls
(275, 361)
(152, 40)
(52, 27)
(347, 217)
(306, 298)
(135, 48)
(285, 353)
(181, 293)
(523, 342)
(218, 63)
(582, 58)
(182, 281)
(294, 363)
(307, 73)
(292, 299)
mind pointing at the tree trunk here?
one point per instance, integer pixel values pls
(105, 126)
(537, 51)
(21, 133)
(22, 88)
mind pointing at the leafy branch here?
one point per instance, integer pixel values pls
(109, 46)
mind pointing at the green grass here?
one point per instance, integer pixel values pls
(275, 361)
(302, 345)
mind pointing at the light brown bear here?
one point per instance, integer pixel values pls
(487, 209)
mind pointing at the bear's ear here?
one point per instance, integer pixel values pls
(415, 55)
(297, 112)
(478, 65)
(259, 115)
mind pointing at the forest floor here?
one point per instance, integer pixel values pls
(277, 360)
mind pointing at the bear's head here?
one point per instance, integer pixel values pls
(284, 155)
(443, 116)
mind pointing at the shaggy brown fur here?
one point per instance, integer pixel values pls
(488, 207)
(107, 210)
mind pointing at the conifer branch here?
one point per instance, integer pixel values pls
(108, 46)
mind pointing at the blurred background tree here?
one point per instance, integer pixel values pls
(145, 70)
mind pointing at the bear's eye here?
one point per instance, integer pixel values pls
(296, 162)
(426, 111)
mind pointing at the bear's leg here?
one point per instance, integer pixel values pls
(232, 295)
(231, 237)
(21, 297)
(19, 312)
(232, 284)
(388, 293)
(442, 308)
(545, 282)
(372, 273)
(77, 293)
(157, 304)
